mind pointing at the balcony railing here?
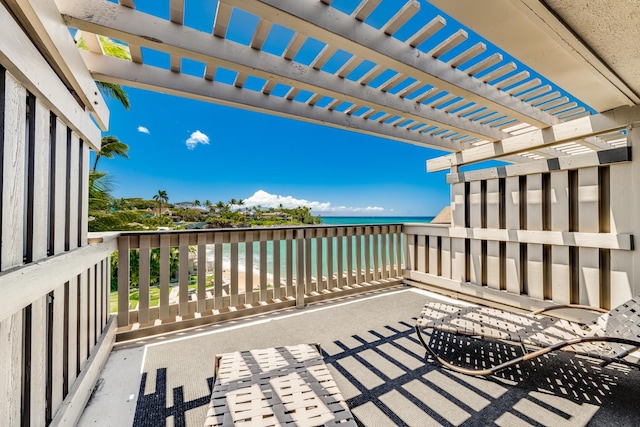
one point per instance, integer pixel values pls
(188, 278)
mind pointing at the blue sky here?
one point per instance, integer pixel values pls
(247, 152)
(197, 150)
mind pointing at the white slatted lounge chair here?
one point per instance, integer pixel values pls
(611, 337)
(284, 386)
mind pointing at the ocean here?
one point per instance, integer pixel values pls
(328, 220)
(359, 220)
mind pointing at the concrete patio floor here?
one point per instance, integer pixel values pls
(371, 349)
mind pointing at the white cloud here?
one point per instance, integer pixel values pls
(267, 200)
(196, 138)
(143, 129)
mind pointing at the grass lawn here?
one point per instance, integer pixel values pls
(154, 295)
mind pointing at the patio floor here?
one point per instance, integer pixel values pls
(371, 349)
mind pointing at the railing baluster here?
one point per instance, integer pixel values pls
(123, 281)
(339, 257)
(202, 272)
(72, 329)
(330, 234)
(300, 263)
(143, 280)
(38, 362)
(276, 264)
(376, 252)
(349, 234)
(289, 263)
(385, 248)
(233, 276)
(319, 233)
(165, 241)
(263, 265)
(308, 235)
(358, 235)
(248, 263)
(367, 254)
(398, 246)
(92, 307)
(218, 279)
(57, 378)
(183, 284)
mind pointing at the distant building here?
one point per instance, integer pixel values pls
(157, 212)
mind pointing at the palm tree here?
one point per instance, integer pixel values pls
(240, 204)
(196, 202)
(161, 197)
(111, 146)
(116, 92)
(208, 205)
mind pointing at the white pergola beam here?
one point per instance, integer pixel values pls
(337, 29)
(221, 21)
(573, 130)
(294, 46)
(516, 78)
(499, 72)
(43, 16)
(261, 34)
(107, 18)
(136, 53)
(427, 31)
(484, 64)
(24, 61)
(472, 52)
(449, 43)
(123, 72)
(176, 11)
(92, 41)
(364, 9)
(401, 17)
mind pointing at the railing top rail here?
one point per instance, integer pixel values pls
(251, 229)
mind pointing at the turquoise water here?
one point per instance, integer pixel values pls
(335, 220)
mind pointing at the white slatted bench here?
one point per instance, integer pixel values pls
(284, 386)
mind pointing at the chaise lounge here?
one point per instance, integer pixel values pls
(610, 337)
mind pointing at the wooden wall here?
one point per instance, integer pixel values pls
(563, 234)
(54, 287)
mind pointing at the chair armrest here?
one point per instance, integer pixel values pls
(574, 306)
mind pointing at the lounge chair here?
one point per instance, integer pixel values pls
(611, 337)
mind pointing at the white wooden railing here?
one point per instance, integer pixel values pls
(282, 267)
(527, 235)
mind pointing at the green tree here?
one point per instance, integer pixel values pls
(161, 197)
(99, 191)
(115, 91)
(196, 202)
(111, 147)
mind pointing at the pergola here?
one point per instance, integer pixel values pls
(551, 87)
(418, 78)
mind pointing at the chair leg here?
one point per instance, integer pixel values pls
(489, 371)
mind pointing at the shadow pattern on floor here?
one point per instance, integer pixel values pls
(386, 379)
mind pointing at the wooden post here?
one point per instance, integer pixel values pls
(535, 269)
(165, 249)
(183, 273)
(493, 222)
(560, 269)
(588, 220)
(123, 281)
(300, 264)
(144, 279)
(218, 281)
